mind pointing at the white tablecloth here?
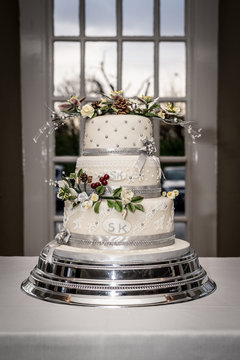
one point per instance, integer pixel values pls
(203, 329)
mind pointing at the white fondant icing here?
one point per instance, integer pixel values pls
(127, 135)
(120, 168)
(116, 226)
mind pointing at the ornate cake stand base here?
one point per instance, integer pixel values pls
(71, 281)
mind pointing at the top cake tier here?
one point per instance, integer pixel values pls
(116, 132)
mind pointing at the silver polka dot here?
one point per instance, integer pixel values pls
(106, 121)
(92, 122)
(96, 222)
(106, 136)
(134, 144)
(117, 145)
(133, 128)
(142, 224)
(125, 121)
(98, 129)
(91, 140)
(141, 135)
(125, 137)
(139, 121)
(97, 145)
(115, 130)
(145, 128)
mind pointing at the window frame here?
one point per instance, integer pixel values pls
(36, 70)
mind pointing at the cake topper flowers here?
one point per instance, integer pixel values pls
(115, 103)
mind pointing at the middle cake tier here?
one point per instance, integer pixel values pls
(122, 170)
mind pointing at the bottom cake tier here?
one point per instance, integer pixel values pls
(124, 278)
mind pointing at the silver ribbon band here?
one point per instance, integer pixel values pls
(114, 151)
(109, 242)
(122, 242)
(147, 192)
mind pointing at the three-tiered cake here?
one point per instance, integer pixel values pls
(118, 245)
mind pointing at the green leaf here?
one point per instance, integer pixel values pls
(72, 176)
(117, 191)
(100, 189)
(79, 172)
(118, 205)
(110, 203)
(139, 207)
(137, 199)
(131, 207)
(150, 114)
(96, 207)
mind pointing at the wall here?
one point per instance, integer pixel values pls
(229, 130)
(11, 193)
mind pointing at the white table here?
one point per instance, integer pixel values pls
(203, 329)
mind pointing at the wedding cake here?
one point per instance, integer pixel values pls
(117, 246)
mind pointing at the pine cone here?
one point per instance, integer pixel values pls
(89, 179)
(84, 177)
(122, 105)
(96, 104)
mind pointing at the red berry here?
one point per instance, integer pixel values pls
(106, 176)
(104, 182)
(93, 186)
(97, 184)
(101, 179)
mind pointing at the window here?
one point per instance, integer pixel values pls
(142, 47)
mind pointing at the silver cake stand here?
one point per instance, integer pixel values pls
(82, 280)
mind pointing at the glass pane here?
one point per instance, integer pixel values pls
(100, 17)
(180, 230)
(67, 136)
(137, 68)
(66, 68)
(172, 71)
(66, 17)
(58, 227)
(175, 180)
(172, 137)
(101, 67)
(172, 17)
(137, 17)
(60, 169)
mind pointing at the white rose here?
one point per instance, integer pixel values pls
(94, 197)
(126, 196)
(176, 192)
(87, 111)
(171, 195)
(63, 183)
(87, 204)
(73, 192)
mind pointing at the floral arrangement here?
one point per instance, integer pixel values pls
(122, 199)
(171, 194)
(116, 103)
